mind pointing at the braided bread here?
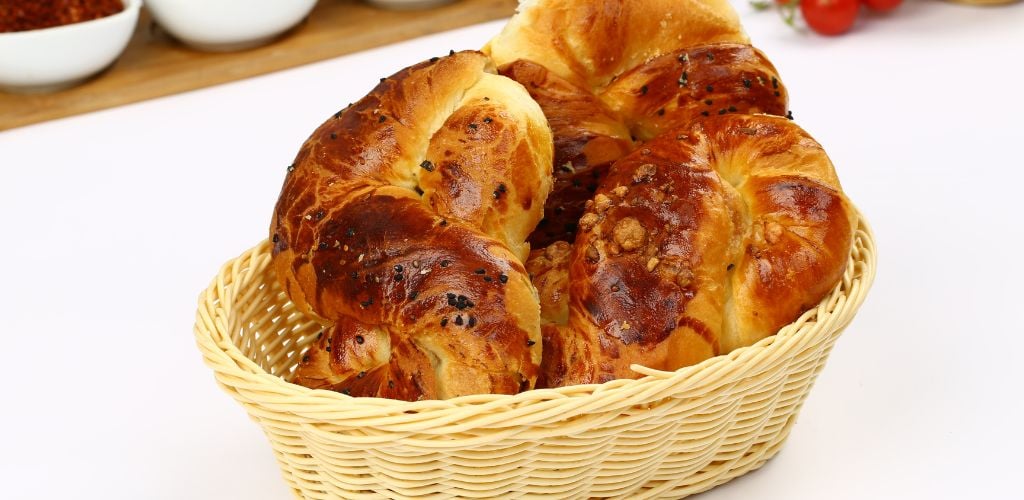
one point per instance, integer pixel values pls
(710, 237)
(401, 225)
(610, 74)
(673, 213)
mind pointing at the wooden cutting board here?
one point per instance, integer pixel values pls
(155, 65)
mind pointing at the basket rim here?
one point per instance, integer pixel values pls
(232, 368)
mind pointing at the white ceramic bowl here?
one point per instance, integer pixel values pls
(50, 59)
(225, 25)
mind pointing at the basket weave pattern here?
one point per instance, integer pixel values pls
(666, 435)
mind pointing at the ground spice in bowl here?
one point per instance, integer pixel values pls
(24, 15)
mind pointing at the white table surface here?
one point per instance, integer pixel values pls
(114, 221)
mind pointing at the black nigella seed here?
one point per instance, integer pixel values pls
(355, 275)
(458, 320)
(320, 335)
(503, 278)
(452, 301)
(276, 238)
(530, 343)
(722, 111)
(570, 227)
(488, 119)
(488, 279)
(359, 339)
(382, 119)
(444, 321)
(777, 93)
(473, 126)
(732, 109)
(643, 90)
(480, 271)
(708, 102)
(710, 88)
(445, 263)
(346, 391)
(592, 187)
(684, 79)
(413, 295)
(472, 322)
(334, 136)
(322, 245)
(367, 303)
(350, 232)
(502, 188)
(399, 268)
(391, 384)
(328, 348)
(775, 83)
(705, 113)
(451, 52)
(337, 115)
(711, 57)
(444, 222)
(305, 359)
(789, 114)
(398, 277)
(661, 112)
(361, 375)
(434, 59)
(684, 58)
(291, 168)
(319, 214)
(382, 79)
(426, 165)
(746, 83)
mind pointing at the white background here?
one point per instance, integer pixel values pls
(114, 221)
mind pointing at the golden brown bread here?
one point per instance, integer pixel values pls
(657, 274)
(402, 225)
(706, 239)
(610, 74)
(685, 221)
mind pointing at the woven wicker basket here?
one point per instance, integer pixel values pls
(668, 434)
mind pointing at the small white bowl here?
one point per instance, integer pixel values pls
(226, 25)
(49, 59)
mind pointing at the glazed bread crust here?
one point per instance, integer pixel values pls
(401, 225)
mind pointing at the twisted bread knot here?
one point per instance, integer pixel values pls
(401, 225)
(699, 223)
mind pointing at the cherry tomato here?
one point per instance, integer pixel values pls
(882, 5)
(830, 17)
